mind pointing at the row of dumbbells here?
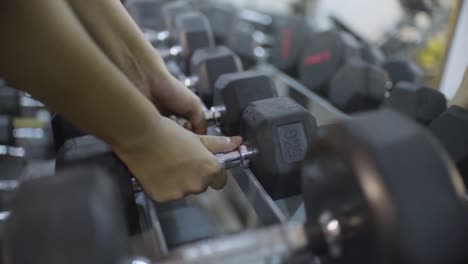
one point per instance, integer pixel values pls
(377, 188)
(353, 75)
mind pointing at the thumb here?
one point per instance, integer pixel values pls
(217, 144)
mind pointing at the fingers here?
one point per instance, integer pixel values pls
(197, 120)
(219, 181)
(216, 144)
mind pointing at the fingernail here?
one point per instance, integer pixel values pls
(228, 140)
(236, 140)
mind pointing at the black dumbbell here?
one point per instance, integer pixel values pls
(290, 35)
(325, 53)
(403, 70)
(277, 133)
(358, 86)
(451, 129)
(73, 217)
(207, 64)
(421, 103)
(88, 151)
(233, 92)
(193, 32)
(250, 36)
(222, 17)
(385, 196)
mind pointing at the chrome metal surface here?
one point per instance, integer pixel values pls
(238, 158)
(214, 114)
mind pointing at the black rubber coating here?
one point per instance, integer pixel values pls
(325, 53)
(451, 128)
(358, 86)
(420, 103)
(236, 91)
(73, 217)
(393, 189)
(403, 70)
(194, 31)
(90, 151)
(210, 63)
(281, 131)
(62, 131)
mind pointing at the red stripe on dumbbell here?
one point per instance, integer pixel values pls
(317, 58)
(286, 43)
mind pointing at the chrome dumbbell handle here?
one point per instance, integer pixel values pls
(214, 115)
(241, 157)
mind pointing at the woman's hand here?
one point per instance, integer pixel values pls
(117, 35)
(176, 162)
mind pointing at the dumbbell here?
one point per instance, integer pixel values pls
(221, 17)
(277, 132)
(86, 151)
(233, 92)
(207, 64)
(290, 37)
(250, 36)
(358, 86)
(325, 53)
(403, 70)
(377, 189)
(419, 102)
(451, 129)
(193, 32)
(73, 217)
(165, 13)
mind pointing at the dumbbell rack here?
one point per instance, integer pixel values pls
(268, 211)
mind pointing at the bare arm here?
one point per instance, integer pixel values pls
(112, 28)
(46, 51)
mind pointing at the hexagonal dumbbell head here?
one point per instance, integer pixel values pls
(402, 70)
(390, 188)
(358, 86)
(280, 130)
(236, 90)
(146, 13)
(290, 38)
(325, 53)
(210, 63)
(422, 104)
(194, 32)
(170, 11)
(73, 217)
(451, 128)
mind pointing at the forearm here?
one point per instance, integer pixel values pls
(46, 51)
(119, 37)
